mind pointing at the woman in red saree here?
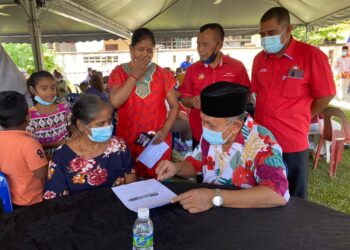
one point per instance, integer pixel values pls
(138, 90)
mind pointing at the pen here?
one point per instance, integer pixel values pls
(143, 196)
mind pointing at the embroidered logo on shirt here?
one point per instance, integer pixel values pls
(229, 74)
(263, 70)
(201, 76)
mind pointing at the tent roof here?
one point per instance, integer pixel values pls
(72, 20)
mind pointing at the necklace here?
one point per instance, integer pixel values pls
(84, 152)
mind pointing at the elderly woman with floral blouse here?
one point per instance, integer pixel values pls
(93, 157)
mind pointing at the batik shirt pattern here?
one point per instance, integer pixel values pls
(254, 158)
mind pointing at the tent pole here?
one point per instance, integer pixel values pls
(35, 35)
(307, 32)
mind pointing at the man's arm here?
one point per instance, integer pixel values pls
(319, 104)
(40, 173)
(200, 200)
(255, 197)
(192, 102)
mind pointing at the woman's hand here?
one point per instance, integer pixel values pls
(196, 102)
(139, 66)
(160, 136)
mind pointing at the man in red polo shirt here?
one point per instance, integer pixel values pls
(212, 67)
(293, 82)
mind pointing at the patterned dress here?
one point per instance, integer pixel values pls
(70, 173)
(49, 128)
(254, 158)
(145, 109)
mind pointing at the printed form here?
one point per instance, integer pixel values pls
(149, 194)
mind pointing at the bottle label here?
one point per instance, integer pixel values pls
(142, 242)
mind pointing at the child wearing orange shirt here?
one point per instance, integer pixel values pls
(22, 158)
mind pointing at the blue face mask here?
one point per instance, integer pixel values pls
(101, 134)
(344, 53)
(214, 137)
(39, 100)
(210, 59)
(272, 44)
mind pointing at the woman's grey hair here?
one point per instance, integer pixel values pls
(87, 108)
(240, 118)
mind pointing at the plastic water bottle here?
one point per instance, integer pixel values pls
(143, 231)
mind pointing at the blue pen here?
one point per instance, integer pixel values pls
(143, 196)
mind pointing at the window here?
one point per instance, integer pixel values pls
(111, 47)
(174, 42)
(100, 59)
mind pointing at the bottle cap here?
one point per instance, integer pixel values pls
(143, 213)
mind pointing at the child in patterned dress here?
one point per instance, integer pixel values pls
(49, 116)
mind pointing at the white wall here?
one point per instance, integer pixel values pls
(76, 70)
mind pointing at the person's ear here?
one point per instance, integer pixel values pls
(237, 125)
(220, 45)
(289, 30)
(81, 127)
(131, 52)
(27, 119)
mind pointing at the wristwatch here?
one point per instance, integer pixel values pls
(218, 200)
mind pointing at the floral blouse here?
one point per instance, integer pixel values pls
(254, 158)
(70, 173)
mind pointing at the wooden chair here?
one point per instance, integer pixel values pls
(337, 137)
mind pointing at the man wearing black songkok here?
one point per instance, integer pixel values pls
(234, 151)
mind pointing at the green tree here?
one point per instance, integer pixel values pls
(320, 35)
(22, 55)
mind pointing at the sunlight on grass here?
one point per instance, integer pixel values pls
(333, 192)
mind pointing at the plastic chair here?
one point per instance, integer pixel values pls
(337, 137)
(315, 135)
(5, 197)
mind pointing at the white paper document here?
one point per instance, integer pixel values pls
(152, 153)
(149, 193)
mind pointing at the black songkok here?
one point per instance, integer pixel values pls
(224, 99)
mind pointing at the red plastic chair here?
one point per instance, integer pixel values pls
(337, 137)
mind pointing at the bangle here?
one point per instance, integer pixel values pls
(133, 77)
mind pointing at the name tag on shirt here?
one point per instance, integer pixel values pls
(296, 73)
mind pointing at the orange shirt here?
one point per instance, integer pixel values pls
(283, 100)
(21, 154)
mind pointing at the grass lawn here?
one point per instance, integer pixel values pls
(333, 192)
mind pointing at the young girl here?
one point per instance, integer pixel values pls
(48, 117)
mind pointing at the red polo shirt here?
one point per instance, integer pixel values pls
(200, 75)
(283, 99)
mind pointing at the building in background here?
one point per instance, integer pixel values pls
(104, 56)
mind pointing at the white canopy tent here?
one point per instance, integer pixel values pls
(82, 20)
